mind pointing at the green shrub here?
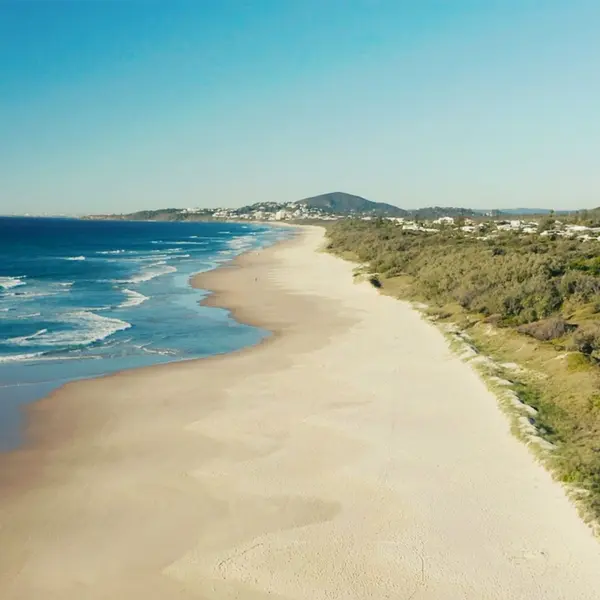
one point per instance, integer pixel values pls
(522, 280)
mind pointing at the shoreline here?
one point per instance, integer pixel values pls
(207, 301)
(218, 282)
(40, 433)
(255, 474)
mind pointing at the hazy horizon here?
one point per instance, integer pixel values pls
(113, 107)
(83, 213)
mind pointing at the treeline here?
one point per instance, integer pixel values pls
(547, 287)
(590, 218)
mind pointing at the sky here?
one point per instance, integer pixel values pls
(121, 105)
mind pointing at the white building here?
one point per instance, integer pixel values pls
(444, 221)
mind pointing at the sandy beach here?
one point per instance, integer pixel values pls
(350, 456)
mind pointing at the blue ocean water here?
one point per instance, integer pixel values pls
(85, 298)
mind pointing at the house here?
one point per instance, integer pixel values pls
(444, 221)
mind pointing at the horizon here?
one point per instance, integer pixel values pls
(119, 107)
(508, 210)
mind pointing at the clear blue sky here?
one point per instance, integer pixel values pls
(116, 105)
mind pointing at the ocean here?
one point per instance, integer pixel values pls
(85, 298)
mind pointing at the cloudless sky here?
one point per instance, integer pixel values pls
(118, 105)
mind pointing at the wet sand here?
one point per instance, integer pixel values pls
(351, 455)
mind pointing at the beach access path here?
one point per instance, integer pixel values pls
(350, 456)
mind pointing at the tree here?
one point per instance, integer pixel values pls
(546, 223)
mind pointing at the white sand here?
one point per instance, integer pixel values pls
(351, 457)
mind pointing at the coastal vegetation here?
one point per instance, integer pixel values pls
(529, 302)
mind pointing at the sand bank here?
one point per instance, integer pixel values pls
(350, 456)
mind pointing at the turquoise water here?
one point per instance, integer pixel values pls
(85, 298)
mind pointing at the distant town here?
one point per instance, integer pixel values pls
(583, 225)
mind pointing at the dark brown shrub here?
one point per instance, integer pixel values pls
(375, 282)
(587, 338)
(546, 329)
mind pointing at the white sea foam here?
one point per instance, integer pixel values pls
(41, 356)
(151, 256)
(88, 328)
(164, 257)
(28, 295)
(10, 282)
(240, 242)
(133, 299)
(133, 259)
(74, 258)
(161, 351)
(29, 316)
(154, 270)
(20, 357)
(37, 290)
(25, 339)
(132, 253)
(180, 243)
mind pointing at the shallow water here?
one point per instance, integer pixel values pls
(85, 298)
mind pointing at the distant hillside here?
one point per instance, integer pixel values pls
(341, 203)
(161, 214)
(345, 204)
(334, 205)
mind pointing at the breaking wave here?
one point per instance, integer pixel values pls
(20, 357)
(154, 270)
(85, 328)
(10, 282)
(133, 299)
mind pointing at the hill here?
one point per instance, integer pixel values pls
(341, 203)
(346, 204)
